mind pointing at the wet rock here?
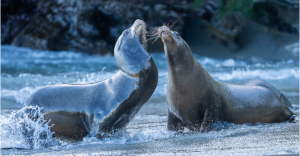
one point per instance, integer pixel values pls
(281, 15)
(84, 25)
(93, 26)
(15, 15)
(226, 24)
(160, 7)
(53, 25)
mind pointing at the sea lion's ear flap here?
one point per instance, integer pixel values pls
(120, 43)
(186, 45)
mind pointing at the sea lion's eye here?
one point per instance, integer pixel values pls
(126, 31)
(176, 34)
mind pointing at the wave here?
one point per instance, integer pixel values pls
(29, 83)
(265, 74)
(25, 70)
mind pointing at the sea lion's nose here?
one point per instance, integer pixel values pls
(164, 28)
(137, 25)
(138, 20)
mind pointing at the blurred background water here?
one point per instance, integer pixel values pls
(25, 70)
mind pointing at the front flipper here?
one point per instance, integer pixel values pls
(105, 130)
(208, 120)
(102, 135)
(110, 127)
(174, 124)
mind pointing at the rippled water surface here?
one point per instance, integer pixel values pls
(23, 71)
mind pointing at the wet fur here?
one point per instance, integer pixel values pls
(196, 101)
(73, 109)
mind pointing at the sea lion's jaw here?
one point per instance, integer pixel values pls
(139, 30)
(167, 38)
(166, 35)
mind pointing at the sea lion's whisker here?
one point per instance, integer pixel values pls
(155, 39)
(152, 38)
(168, 25)
(165, 24)
(172, 25)
(152, 34)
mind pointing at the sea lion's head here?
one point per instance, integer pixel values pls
(130, 50)
(172, 41)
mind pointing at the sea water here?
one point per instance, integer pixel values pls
(23, 71)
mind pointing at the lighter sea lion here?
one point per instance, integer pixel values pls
(107, 105)
(196, 101)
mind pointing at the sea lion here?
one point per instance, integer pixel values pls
(107, 105)
(196, 101)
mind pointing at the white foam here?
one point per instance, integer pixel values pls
(205, 61)
(293, 48)
(246, 74)
(20, 131)
(122, 137)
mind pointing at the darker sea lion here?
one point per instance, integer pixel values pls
(196, 101)
(107, 105)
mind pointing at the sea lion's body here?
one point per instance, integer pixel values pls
(107, 105)
(196, 101)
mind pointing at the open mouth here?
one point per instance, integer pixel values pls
(138, 28)
(164, 33)
(140, 32)
(139, 25)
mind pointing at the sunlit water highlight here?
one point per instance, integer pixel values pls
(23, 71)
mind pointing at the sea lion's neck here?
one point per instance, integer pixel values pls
(183, 67)
(141, 64)
(179, 61)
(132, 58)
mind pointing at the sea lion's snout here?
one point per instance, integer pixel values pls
(138, 29)
(139, 26)
(166, 35)
(163, 31)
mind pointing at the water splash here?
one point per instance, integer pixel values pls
(26, 129)
(123, 137)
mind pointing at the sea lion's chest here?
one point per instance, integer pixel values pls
(117, 89)
(187, 98)
(185, 105)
